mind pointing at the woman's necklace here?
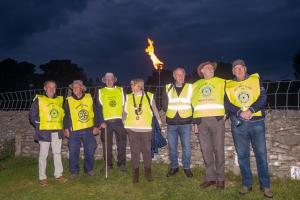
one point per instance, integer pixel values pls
(138, 110)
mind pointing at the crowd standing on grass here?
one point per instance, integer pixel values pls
(207, 103)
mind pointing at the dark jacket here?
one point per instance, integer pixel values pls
(67, 118)
(234, 111)
(34, 117)
(177, 120)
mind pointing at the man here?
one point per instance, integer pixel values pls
(46, 115)
(80, 127)
(208, 104)
(110, 102)
(177, 105)
(245, 101)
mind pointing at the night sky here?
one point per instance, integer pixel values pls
(111, 35)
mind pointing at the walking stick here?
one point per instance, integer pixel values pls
(106, 152)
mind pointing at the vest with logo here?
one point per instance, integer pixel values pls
(208, 97)
(81, 112)
(112, 101)
(51, 112)
(244, 93)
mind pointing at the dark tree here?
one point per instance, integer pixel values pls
(296, 65)
(224, 70)
(165, 78)
(16, 76)
(63, 72)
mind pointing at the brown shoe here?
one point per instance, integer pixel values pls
(135, 175)
(61, 179)
(148, 174)
(267, 193)
(43, 182)
(206, 184)
(245, 190)
(221, 185)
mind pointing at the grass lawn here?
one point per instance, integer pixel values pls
(19, 180)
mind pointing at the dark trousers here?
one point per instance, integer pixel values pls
(211, 137)
(116, 127)
(140, 142)
(87, 138)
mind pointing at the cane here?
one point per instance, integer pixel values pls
(106, 152)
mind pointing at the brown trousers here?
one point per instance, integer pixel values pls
(211, 137)
(140, 142)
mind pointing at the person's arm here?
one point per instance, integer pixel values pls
(155, 111)
(165, 101)
(67, 117)
(260, 103)
(230, 108)
(98, 111)
(34, 117)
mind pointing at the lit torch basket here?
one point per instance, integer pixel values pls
(158, 65)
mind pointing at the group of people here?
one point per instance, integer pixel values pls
(206, 103)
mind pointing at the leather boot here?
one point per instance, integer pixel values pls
(148, 174)
(135, 175)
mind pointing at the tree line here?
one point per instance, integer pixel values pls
(17, 76)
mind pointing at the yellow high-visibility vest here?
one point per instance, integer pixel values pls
(51, 112)
(181, 103)
(144, 120)
(208, 97)
(81, 111)
(244, 93)
(112, 101)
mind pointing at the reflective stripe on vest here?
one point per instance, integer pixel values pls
(51, 112)
(181, 103)
(208, 97)
(112, 101)
(81, 111)
(145, 119)
(244, 93)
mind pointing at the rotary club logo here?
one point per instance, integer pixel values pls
(83, 115)
(53, 113)
(206, 90)
(243, 97)
(112, 103)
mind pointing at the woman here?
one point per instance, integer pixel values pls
(138, 123)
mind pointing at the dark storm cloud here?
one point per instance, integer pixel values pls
(20, 19)
(111, 35)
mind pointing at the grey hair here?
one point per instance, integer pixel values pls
(79, 82)
(139, 82)
(179, 68)
(49, 81)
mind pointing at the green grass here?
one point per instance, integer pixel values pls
(19, 180)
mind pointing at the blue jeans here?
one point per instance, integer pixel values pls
(89, 145)
(243, 134)
(184, 132)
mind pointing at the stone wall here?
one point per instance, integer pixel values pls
(282, 135)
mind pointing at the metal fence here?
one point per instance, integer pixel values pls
(281, 95)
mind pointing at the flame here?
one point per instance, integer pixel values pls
(158, 65)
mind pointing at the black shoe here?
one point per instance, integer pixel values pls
(123, 168)
(188, 173)
(172, 171)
